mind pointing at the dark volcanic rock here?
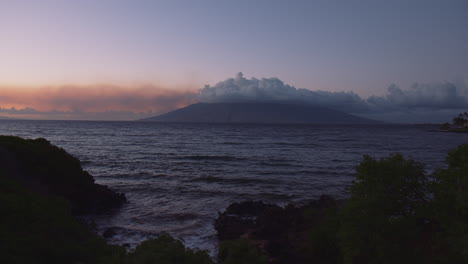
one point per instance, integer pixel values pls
(278, 232)
(240, 218)
(109, 232)
(49, 170)
(248, 208)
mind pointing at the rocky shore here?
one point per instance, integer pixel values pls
(396, 213)
(279, 234)
(42, 190)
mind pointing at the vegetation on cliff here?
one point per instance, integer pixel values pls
(36, 228)
(41, 189)
(396, 213)
(49, 170)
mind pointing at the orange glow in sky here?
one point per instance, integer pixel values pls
(95, 98)
(179, 46)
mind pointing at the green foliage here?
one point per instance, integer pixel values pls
(39, 229)
(50, 170)
(395, 214)
(390, 186)
(47, 162)
(239, 251)
(166, 250)
(38, 184)
(379, 222)
(450, 204)
(322, 244)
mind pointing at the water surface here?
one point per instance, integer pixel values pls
(178, 176)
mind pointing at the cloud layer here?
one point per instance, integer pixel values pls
(442, 99)
(435, 102)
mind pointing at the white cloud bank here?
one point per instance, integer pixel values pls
(420, 103)
(436, 102)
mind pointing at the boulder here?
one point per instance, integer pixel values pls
(279, 233)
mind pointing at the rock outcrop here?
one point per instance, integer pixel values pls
(49, 170)
(279, 233)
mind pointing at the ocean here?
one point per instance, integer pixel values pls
(178, 176)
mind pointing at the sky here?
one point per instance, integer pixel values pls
(123, 60)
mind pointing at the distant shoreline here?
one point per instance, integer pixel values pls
(453, 130)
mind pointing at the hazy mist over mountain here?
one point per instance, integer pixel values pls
(420, 103)
(435, 102)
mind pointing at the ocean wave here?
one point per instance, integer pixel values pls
(299, 172)
(214, 179)
(214, 157)
(233, 143)
(269, 196)
(280, 160)
(275, 164)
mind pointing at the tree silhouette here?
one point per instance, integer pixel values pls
(379, 223)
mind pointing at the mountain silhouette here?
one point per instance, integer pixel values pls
(275, 113)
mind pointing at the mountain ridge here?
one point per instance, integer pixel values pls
(280, 113)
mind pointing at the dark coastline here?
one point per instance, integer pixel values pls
(44, 185)
(44, 194)
(461, 130)
(41, 166)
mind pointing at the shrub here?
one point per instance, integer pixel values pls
(41, 229)
(50, 170)
(166, 250)
(239, 251)
(450, 204)
(380, 220)
(322, 241)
